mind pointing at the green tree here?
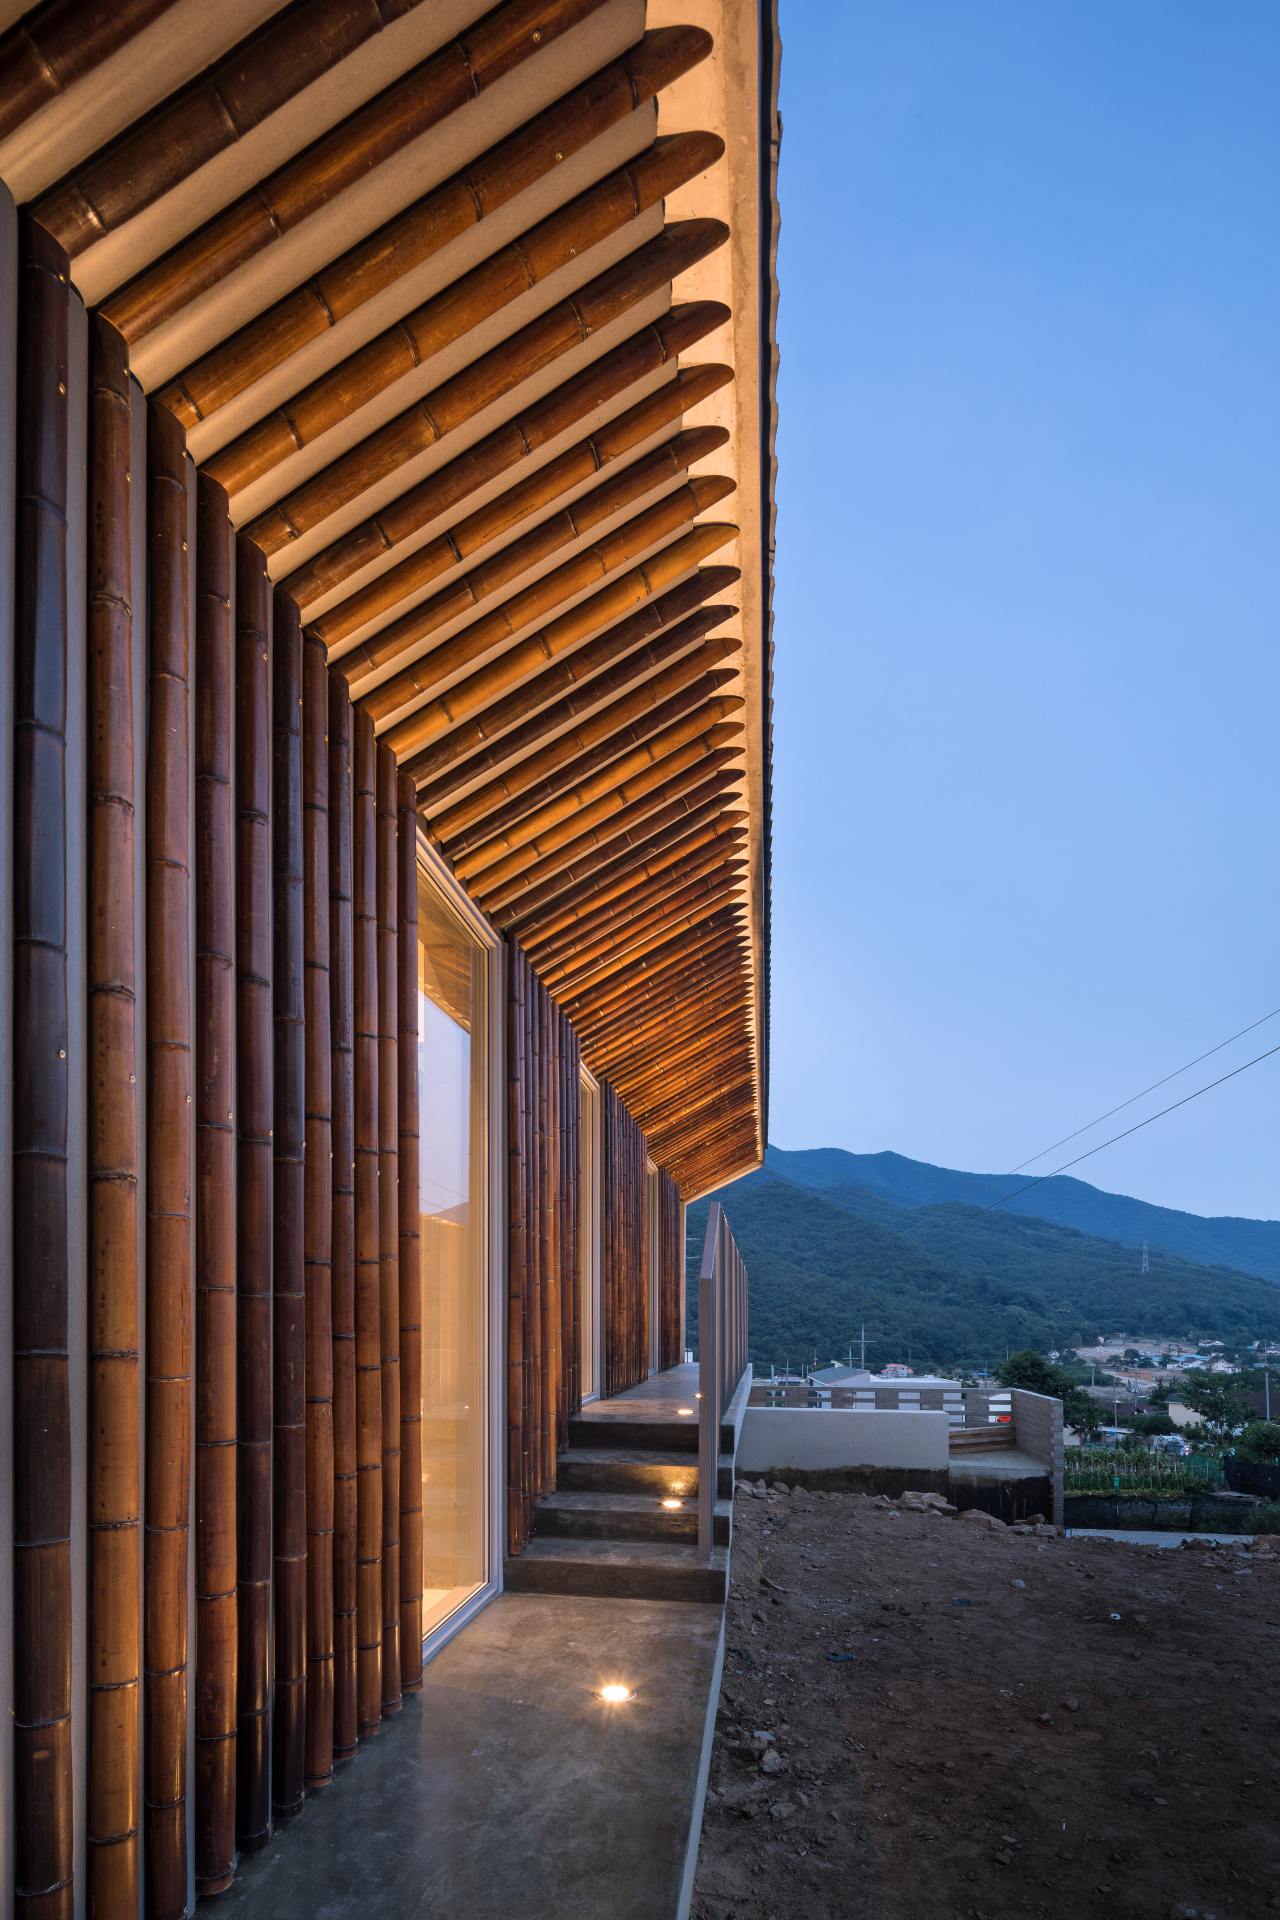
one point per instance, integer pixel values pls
(1221, 1400)
(1260, 1442)
(1032, 1372)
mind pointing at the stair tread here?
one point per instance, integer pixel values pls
(615, 1502)
(620, 1552)
(624, 1456)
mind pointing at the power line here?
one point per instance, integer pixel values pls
(1128, 1130)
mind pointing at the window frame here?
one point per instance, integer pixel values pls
(493, 1260)
(590, 1226)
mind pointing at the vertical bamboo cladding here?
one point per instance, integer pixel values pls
(388, 936)
(115, 1478)
(318, 1241)
(368, 1298)
(41, 1624)
(215, 1187)
(288, 1438)
(253, 1194)
(544, 1368)
(626, 1278)
(410, 1267)
(342, 1243)
(670, 1271)
(169, 1171)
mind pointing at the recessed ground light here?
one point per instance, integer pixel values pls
(616, 1695)
(684, 1409)
(672, 1503)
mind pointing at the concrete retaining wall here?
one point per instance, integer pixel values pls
(1037, 1421)
(782, 1440)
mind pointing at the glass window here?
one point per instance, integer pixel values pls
(452, 981)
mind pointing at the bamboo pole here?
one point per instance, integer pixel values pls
(289, 1329)
(516, 1196)
(715, 975)
(449, 407)
(41, 1623)
(54, 45)
(169, 1171)
(463, 305)
(566, 973)
(114, 1477)
(343, 1246)
(582, 979)
(656, 979)
(721, 989)
(559, 530)
(596, 1003)
(646, 899)
(410, 1248)
(387, 881)
(508, 447)
(253, 1196)
(215, 1401)
(617, 597)
(646, 1076)
(599, 671)
(318, 1217)
(184, 132)
(368, 1299)
(375, 133)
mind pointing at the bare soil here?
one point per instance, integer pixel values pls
(1023, 1724)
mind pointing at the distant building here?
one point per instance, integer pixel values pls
(895, 1370)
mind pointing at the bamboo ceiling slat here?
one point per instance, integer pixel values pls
(616, 598)
(640, 357)
(257, 77)
(645, 898)
(719, 990)
(569, 470)
(55, 44)
(495, 374)
(721, 1034)
(495, 734)
(420, 99)
(688, 1067)
(620, 893)
(686, 779)
(574, 800)
(603, 873)
(583, 752)
(432, 222)
(418, 336)
(561, 529)
(595, 563)
(593, 1011)
(616, 979)
(717, 1090)
(569, 971)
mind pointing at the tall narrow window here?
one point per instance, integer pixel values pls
(589, 1241)
(452, 998)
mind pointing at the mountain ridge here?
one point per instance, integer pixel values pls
(1230, 1240)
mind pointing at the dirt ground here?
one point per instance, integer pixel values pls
(992, 1738)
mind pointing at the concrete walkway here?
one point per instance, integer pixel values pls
(508, 1790)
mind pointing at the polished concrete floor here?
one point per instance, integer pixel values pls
(508, 1790)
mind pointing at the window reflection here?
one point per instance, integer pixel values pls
(452, 974)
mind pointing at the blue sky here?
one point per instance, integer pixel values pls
(1028, 585)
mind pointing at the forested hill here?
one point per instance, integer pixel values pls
(953, 1285)
(858, 1180)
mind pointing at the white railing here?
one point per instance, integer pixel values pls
(722, 1358)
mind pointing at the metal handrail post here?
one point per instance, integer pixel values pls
(708, 1377)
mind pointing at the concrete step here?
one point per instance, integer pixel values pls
(981, 1439)
(598, 1426)
(624, 1516)
(627, 1470)
(618, 1570)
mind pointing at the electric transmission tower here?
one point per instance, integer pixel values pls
(1146, 1264)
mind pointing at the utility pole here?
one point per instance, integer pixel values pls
(1146, 1264)
(864, 1346)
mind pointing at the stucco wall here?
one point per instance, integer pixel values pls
(816, 1440)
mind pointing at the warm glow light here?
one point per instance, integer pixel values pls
(616, 1693)
(684, 1409)
(671, 1503)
